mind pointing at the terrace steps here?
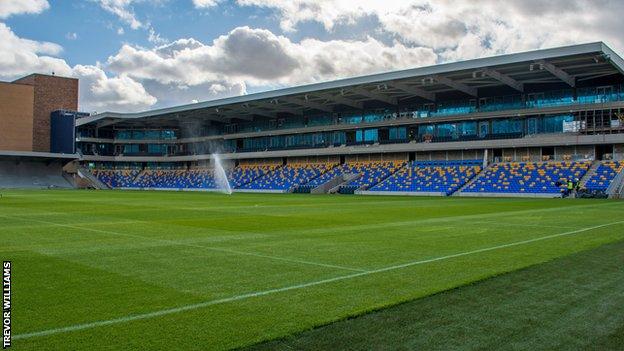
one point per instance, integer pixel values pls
(470, 181)
(86, 174)
(590, 172)
(616, 188)
(346, 179)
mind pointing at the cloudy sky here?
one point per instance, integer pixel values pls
(132, 55)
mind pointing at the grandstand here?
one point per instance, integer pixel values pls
(603, 176)
(545, 178)
(287, 177)
(431, 177)
(368, 174)
(511, 125)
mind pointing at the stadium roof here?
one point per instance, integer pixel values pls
(567, 65)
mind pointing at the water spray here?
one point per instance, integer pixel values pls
(221, 180)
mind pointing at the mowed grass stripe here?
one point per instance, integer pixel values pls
(104, 277)
(381, 225)
(298, 286)
(458, 221)
(569, 303)
(178, 243)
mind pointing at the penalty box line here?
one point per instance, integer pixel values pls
(212, 248)
(196, 306)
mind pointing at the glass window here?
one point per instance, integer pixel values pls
(352, 119)
(371, 135)
(446, 130)
(123, 134)
(554, 124)
(359, 136)
(506, 126)
(467, 128)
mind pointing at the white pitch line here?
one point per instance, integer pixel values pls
(191, 307)
(89, 223)
(217, 249)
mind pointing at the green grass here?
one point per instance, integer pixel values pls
(572, 303)
(103, 270)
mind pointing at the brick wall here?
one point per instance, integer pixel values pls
(16, 117)
(50, 93)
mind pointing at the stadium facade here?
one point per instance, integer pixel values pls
(524, 124)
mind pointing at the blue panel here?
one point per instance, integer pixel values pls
(63, 131)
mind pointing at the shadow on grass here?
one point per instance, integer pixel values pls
(571, 303)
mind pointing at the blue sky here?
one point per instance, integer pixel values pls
(96, 29)
(134, 55)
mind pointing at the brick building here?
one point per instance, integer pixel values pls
(25, 108)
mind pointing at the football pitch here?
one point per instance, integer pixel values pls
(103, 270)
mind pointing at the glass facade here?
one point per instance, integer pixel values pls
(412, 129)
(552, 98)
(130, 134)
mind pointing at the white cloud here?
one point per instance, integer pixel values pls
(460, 29)
(327, 12)
(100, 92)
(71, 36)
(202, 4)
(155, 38)
(403, 34)
(21, 57)
(259, 57)
(17, 7)
(187, 69)
(123, 10)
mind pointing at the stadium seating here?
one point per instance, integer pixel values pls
(528, 177)
(32, 174)
(371, 173)
(199, 178)
(604, 175)
(288, 177)
(175, 179)
(117, 178)
(245, 174)
(431, 177)
(325, 177)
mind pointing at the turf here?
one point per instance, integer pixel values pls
(160, 270)
(571, 303)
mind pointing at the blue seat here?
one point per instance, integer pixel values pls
(431, 177)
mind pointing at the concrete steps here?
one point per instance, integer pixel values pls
(86, 174)
(589, 173)
(616, 188)
(472, 180)
(346, 179)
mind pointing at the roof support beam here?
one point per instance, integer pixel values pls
(275, 106)
(342, 100)
(375, 95)
(262, 113)
(557, 72)
(503, 78)
(309, 104)
(222, 114)
(413, 90)
(242, 116)
(249, 111)
(106, 123)
(456, 85)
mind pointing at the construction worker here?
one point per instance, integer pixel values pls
(570, 187)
